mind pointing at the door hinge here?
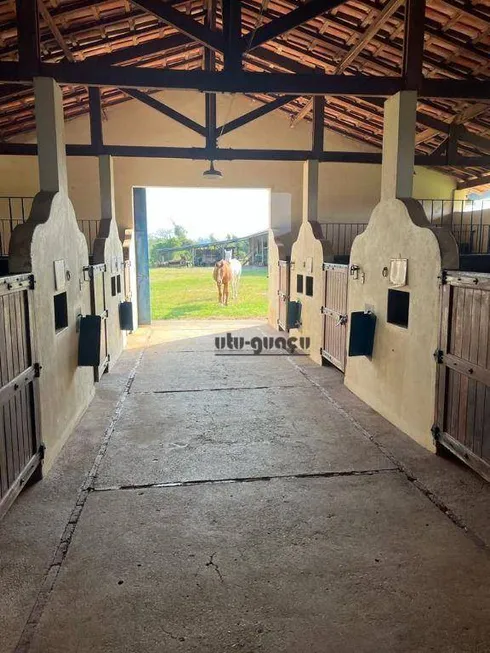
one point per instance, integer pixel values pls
(439, 356)
(443, 277)
(436, 431)
(41, 450)
(32, 282)
(37, 370)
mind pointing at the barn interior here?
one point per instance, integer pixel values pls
(161, 491)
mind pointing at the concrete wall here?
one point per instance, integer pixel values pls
(399, 380)
(307, 257)
(51, 234)
(347, 192)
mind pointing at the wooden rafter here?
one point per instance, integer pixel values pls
(388, 10)
(119, 32)
(55, 31)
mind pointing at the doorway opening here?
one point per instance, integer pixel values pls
(189, 230)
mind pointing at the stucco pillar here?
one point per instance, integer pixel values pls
(50, 130)
(280, 213)
(106, 182)
(142, 256)
(310, 191)
(400, 115)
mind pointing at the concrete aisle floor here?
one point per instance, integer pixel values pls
(218, 504)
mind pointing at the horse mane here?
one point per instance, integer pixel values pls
(225, 269)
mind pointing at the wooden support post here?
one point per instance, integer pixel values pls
(310, 191)
(142, 255)
(28, 35)
(211, 141)
(106, 182)
(413, 44)
(318, 125)
(95, 106)
(232, 32)
(51, 150)
(210, 98)
(399, 145)
(452, 143)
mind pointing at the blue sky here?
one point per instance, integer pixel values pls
(205, 211)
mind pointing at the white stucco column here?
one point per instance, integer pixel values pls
(400, 115)
(106, 182)
(280, 216)
(50, 130)
(310, 191)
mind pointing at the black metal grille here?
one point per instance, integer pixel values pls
(469, 220)
(341, 235)
(13, 211)
(16, 210)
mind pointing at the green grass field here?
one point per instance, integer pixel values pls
(178, 293)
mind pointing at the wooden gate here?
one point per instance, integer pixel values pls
(283, 293)
(98, 307)
(20, 449)
(463, 381)
(334, 311)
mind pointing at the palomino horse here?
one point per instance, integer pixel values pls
(236, 272)
(222, 276)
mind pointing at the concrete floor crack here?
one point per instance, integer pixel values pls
(433, 498)
(247, 479)
(49, 580)
(227, 389)
(172, 636)
(212, 564)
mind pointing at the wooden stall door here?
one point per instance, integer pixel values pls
(99, 307)
(20, 449)
(463, 394)
(283, 294)
(334, 311)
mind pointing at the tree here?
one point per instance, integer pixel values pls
(167, 238)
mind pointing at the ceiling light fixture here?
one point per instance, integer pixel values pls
(212, 173)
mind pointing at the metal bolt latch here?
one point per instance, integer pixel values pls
(439, 356)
